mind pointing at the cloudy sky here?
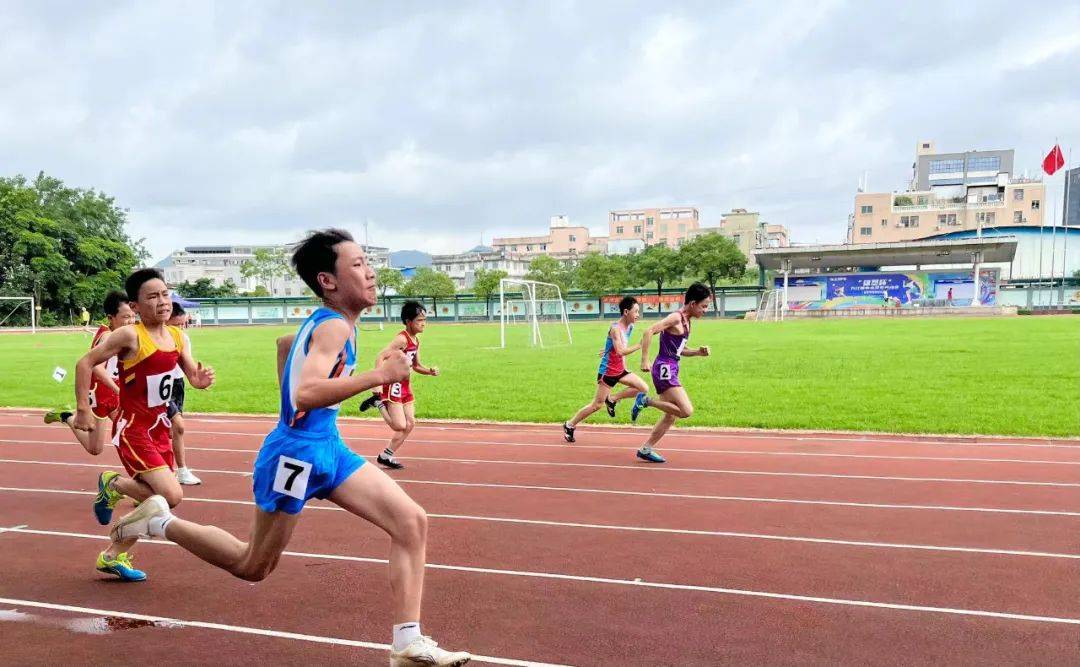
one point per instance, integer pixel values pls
(440, 122)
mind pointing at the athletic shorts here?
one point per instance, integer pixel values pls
(665, 375)
(399, 392)
(611, 380)
(176, 399)
(141, 449)
(294, 466)
(103, 401)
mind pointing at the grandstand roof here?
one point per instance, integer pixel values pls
(941, 251)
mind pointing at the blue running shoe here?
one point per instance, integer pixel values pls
(106, 497)
(639, 405)
(120, 566)
(648, 454)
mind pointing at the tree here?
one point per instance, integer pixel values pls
(266, 265)
(657, 264)
(547, 269)
(66, 246)
(204, 288)
(600, 275)
(713, 257)
(487, 282)
(388, 278)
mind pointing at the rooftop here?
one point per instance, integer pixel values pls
(952, 251)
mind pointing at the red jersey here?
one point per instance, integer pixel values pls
(146, 380)
(103, 400)
(401, 392)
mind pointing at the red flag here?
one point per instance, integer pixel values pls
(1053, 161)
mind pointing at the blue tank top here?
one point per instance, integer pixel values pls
(319, 420)
(611, 363)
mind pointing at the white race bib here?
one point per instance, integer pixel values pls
(291, 478)
(395, 390)
(159, 388)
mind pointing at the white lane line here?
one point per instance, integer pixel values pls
(645, 494)
(12, 529)
(665, 468)
(578, 446)
(240, 629)
(659, 585)
(641, 529)
(853, 438)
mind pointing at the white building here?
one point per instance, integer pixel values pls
(221, 263)
(461, 267)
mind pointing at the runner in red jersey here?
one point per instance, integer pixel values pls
(151, 355)
(104, 396)
(395, 401)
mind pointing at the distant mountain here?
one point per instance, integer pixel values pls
(403, 258)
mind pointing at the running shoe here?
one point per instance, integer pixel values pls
(120, 566)
(639, 404)
(136, 523)
(610, 407)
(372, 401)
(567, 432)
(425, 651)
(390, 462)
(57, 416)
(186, 477)
(650, 455)
(106, 498)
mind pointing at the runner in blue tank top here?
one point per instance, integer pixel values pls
(612, 369)
(672, 399)
(305, 456)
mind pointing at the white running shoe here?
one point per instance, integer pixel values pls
(424, 651)
(186, 477)
(137, 522)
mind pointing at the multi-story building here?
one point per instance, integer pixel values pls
(670, 225)
(949, 192)
(563, 241)
(1071, 195)
(461, 267)
(224, 262)
(748, 232)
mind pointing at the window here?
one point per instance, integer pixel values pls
(984, 163)
(648, 235)
(921, 200)
(866, 210)
(637, 229)
(927, 146)
(987, 218)
(884, 222)
(1034, 204)
(573, 238)
(514, 248)
(528, 248)
(648, 221)
(946, 166)
(908, 221)
(947, 219)
(866, 231)
(663, 228)
(543, 246)
(737, 238)
(1018, 195)
(682, 228)
(1018, 217)
(618, 230)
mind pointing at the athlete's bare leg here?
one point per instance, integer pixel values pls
(161, 482)
(176, 432)
(635, 386)
(404, 422)
(677, 398)
(92, 441)
(602, 392)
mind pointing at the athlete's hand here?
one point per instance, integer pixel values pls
(394, 366)
(645, 365)
(204, 376)
(84, 421)
(434, 371)
(703, 350)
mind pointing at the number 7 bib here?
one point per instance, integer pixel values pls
(291, 478)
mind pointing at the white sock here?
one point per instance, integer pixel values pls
(156, 526)
(405, 633)
(388, 453)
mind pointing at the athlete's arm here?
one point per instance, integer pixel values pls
(618, 340)
(200, 377)
(101, 371)
(317, 390)
(646, 338)
(702, 351)
(119, 343)
(284, 344)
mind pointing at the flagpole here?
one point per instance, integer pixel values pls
(1065, 228)
(1042, 226)
(1053, 248)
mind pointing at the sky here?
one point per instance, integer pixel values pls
(436, 125)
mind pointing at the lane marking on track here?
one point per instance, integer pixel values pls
(657, 585)
(240, 629)
(645, 494)
(853, 438)
(642, 529)
(655, 468)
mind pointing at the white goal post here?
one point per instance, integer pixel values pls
(9, 305)
(533, 306)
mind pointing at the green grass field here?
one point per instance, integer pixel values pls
(1015, 376)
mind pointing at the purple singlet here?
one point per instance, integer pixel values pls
(665, 370)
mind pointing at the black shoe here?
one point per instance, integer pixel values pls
(568, 432)
(391, 463)
(610, 407)
(372, 401)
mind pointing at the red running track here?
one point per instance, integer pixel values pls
(747, 548)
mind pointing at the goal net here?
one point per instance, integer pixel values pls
(17, 312)
(532, 313)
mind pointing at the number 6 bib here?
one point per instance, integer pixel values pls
(159, 388)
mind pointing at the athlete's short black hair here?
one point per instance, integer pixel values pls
(177, 309)
(626, 304)
(316, 255)
(113, 301)
(139, 278)
(697, 292)
(410, 310)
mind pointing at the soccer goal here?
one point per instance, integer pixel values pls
(17, 312)
(539, 307)
(769, 308)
